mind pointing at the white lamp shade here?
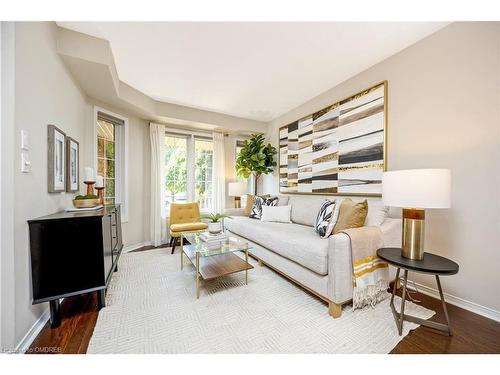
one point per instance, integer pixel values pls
(417, 188)
(236, 189)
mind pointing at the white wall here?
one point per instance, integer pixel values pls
(7, 186)
(443, 103)
(44, 94)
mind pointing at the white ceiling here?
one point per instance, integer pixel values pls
(256, 71)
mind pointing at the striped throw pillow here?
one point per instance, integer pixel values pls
(258, 202)
(324, 221)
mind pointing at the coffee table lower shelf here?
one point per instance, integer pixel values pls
(211, 267)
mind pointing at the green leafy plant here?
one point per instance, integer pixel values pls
(215, 218)
(255, 159)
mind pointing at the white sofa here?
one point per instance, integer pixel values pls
(295, 250)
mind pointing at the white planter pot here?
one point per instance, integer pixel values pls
(215, 228)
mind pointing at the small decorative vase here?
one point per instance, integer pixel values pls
(215, 228)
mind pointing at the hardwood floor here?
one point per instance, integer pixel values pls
(472, 333)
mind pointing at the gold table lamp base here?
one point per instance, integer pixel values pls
(413, 233)
(237, 202)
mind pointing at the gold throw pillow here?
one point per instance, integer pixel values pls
(351, 215)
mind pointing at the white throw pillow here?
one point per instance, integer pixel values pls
(377, 213)
(277, 214)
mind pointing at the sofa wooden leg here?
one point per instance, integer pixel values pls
(261, 263)
(334, 310)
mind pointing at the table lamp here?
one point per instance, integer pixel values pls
(236, 190)
(415, 190)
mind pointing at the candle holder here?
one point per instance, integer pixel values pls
(100, 194)
(90, 187)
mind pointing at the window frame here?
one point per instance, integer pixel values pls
(121, 159)
(190, 136)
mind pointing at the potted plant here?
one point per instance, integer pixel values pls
(214, 222)
(255, 159)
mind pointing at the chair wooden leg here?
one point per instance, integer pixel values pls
(173, 246)
(334, 310)
(170, 242)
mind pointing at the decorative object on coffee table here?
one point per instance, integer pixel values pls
(255, 159)
(56, 170)
(237, 190)
(415, 190)
(430, 264)
(215, 222)
(212, 260)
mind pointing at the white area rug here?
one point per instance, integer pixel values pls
(151, 308)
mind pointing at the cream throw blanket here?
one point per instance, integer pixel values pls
(370, 273)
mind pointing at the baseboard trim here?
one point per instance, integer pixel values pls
(460, 302)
(31, 335)
(136, 246)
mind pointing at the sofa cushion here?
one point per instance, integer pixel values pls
(377, 213)
(351, 215)
(298, 243)
(324, 221)
(305, 208)
(283, 200)
(258, 202)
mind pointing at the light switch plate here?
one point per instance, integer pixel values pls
(25, 142)
(25, 162)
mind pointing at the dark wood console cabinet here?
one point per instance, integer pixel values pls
(73, 253)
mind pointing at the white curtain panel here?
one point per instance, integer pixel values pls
(158, 209)
(219, 173)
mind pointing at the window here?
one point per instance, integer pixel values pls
(188, 169)
(106, 158)
(203, 172)
(110, 157)
(176, 169)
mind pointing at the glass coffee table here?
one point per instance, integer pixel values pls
(214, 259)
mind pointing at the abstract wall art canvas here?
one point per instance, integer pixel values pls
(337, 150)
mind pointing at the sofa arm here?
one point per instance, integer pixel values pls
(234, 211)
(339, 286)
(392, 232)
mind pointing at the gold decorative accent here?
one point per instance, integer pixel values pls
(334, 310)
(90, 187)
(100, 194)
(413, 233)
(237, 202)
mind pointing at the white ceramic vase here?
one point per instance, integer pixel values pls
(215, 228)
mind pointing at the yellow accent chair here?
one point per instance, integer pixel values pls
(184, 217)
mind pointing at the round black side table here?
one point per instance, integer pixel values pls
(431, 264)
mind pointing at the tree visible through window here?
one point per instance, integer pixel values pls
(106, 158)
(203, 173)
(188, 170)
(176, 169)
